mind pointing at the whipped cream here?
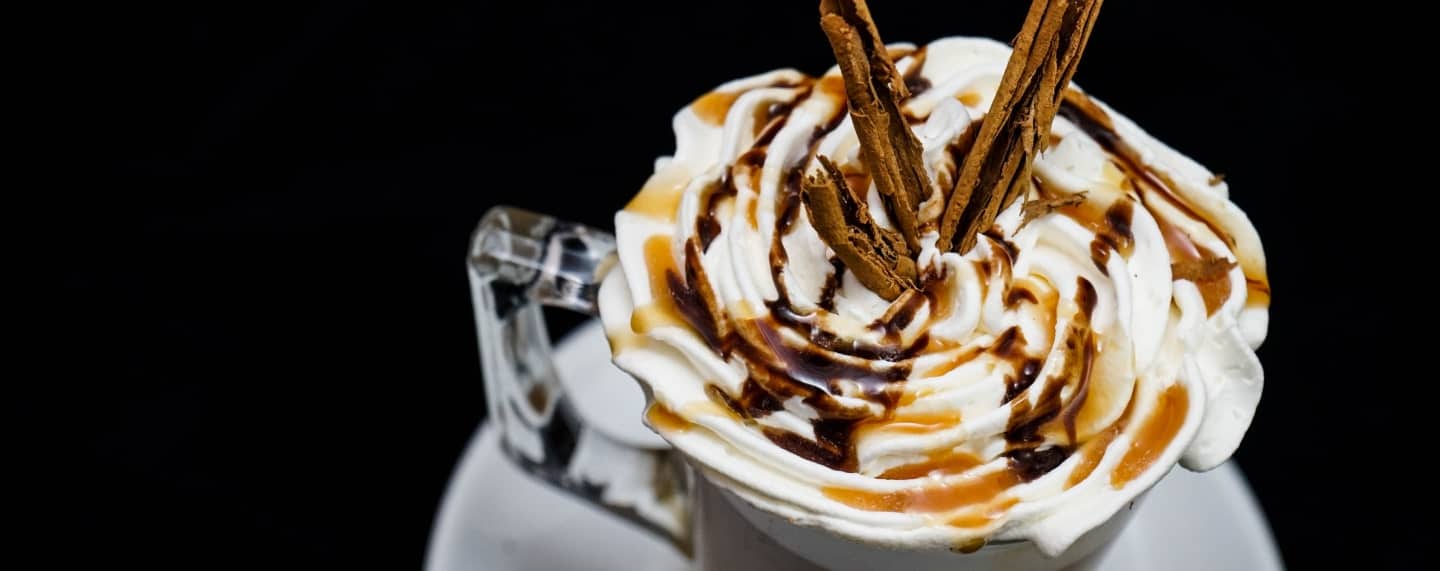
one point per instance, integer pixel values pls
(1031, 388)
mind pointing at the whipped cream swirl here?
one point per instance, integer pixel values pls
(1029, 389)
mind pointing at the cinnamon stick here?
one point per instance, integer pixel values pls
(996, 171)
(844, 223)
(1036, 208)
(874, 90)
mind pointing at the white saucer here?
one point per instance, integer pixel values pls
(494, 517)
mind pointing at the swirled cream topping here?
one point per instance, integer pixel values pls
(1101, 331)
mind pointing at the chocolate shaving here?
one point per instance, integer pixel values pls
(1017, 126)
(872, 253)
(1217, 178)
(1040, 207)
(1202, 270)
(874, 90)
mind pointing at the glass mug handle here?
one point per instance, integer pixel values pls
(520, 261)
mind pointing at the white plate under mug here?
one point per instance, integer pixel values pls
(494, 517)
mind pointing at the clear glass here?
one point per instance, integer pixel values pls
(520, 261)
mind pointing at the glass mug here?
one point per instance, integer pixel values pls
(519, 262)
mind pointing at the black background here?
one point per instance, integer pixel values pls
(264, 291)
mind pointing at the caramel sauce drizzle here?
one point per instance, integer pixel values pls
(664, 420)
(714, 106)
(1091, 453)
(660, 197)
(969, 491)
(1154, 435)
(661, 311)
(982, 517)
(943, 463)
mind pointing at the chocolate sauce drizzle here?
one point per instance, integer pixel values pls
(832, 284)
(914, 82)
(1029, 420)
(1113, 235)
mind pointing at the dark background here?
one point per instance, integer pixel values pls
(265, 291)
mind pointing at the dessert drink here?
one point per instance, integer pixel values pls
(937, 296)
